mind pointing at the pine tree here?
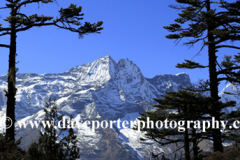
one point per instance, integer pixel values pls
(177, 106)
(69, 19)
(181, 106)
(212, 28)
(47, 141)
(50, 146)
(71, 144)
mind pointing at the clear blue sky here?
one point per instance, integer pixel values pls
(133, 29)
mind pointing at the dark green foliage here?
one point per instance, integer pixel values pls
(49, 147)
(33, 152)
(230, 68)
(179, 106)
(190, 65)
(183, 106)
(10, 150)
(69, 19)
(199, 17)
(71, 144)
(200, 21)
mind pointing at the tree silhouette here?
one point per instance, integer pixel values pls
(69, 19)
(199, 21)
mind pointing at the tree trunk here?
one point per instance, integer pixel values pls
(10, 133)
(195, 144)
(186, 144)
(217, 141)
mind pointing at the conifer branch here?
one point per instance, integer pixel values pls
(228, 69)
(4, 45)
(5, 33)
(229, 37)
(33, 25)
(226, 72)
(192, 42)
(4, 29)
(21, 14)
(227, 46)
(30, 2)
(69, 16)
(6, 93)
(190, 65)
(232, 74)
(228, 79)
(4, 7)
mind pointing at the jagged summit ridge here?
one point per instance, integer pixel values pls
(114, 88)
(169, 82)
(101, 70)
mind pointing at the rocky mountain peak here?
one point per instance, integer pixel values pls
(100, 89)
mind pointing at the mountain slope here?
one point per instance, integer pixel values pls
(101, 90)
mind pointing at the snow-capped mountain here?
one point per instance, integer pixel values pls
(113, 89)
(230, 88)
(103, 89)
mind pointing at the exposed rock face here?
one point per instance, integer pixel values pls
(113, 89)
(101, 90)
